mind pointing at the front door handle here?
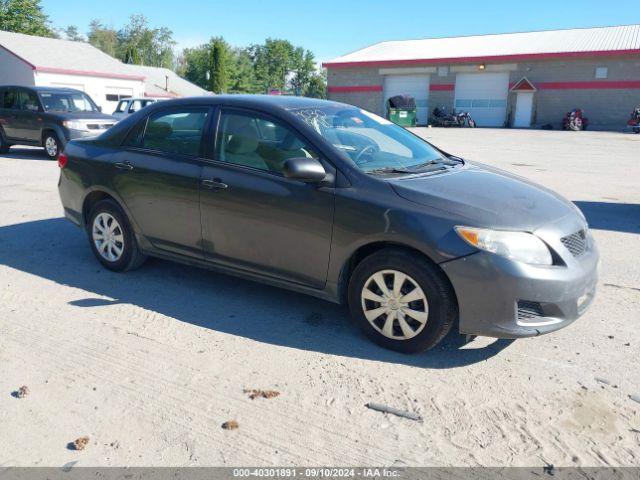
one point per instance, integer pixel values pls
(123, 166)
(214, 184)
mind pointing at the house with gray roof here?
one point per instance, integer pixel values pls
(39, 61)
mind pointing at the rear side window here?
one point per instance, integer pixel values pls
(175, 131)
(28, 101)
(10, 99)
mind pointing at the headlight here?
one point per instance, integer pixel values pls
(520, 246)
(75, 125)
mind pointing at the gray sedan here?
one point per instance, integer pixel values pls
(333, 201)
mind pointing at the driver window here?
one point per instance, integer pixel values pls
(257, 142)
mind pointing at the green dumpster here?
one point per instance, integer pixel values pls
(401, 110)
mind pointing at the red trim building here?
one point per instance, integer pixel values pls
(517, 79)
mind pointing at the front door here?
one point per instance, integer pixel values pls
(157, 175)
(524, 108)
(255, 219)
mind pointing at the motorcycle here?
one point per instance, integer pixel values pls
(440, 118)
(634, 121)
(575, 120)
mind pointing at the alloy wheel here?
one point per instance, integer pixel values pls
(394, 304)
(51, 146)
(107, 237)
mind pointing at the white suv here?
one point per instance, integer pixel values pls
(127, 106)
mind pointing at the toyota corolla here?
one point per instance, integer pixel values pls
(333, 201)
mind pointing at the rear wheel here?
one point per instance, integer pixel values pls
(51, 144)
(112, 239)
(576, 125)
(4, 145)
(401, 300)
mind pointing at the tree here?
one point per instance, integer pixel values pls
(72, 33)
(274, 64)
(141, 45)
(218, 65)
(24, 16)
(317, 86)
(104, 38)
(193, 64)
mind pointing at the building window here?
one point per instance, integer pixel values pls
(114, 97)
(602, 72)
(443, 71)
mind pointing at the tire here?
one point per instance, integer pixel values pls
(4, 146)
(422, 278)
(121, 252)
(576, 125)
(636, 130)
(52, 145)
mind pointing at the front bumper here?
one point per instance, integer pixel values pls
(71, 134)
(490, 288)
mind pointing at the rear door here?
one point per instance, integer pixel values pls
(9, 117)
(157, 174)
(255, 219)
(29, 118)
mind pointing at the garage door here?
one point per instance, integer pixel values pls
(416, 86)
(484, 96)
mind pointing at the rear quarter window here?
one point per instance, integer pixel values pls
(176, 131)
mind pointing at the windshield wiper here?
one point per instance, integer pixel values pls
(389, 170)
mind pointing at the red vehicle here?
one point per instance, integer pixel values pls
(575, 120)
(634, 121)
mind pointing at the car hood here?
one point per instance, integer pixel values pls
(81, 116)
(483, 196)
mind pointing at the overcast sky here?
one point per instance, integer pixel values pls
(331, 28)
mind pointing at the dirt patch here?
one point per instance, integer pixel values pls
(253, 394)
(230, 425)
(79, 443)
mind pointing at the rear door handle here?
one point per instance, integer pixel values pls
(214, 184)
(123, 166)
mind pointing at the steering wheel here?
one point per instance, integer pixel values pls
(371, 148)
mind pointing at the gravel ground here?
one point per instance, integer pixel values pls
(150, 364)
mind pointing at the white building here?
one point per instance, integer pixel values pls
(39, 61)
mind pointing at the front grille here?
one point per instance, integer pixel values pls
(99, 126)
(576, 243)
(528, 310)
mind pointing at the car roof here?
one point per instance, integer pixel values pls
(280, 102)
(43, 88)
(130, 99)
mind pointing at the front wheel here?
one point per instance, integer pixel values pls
(636, 130)
(401, 301)
(52, 145)
(111, 238)
(472, 123)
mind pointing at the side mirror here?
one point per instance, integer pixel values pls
(99, 108)
(304, 169)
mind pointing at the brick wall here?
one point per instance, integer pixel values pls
(606, 108)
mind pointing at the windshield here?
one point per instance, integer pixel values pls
(67, 102)
(374, 144)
